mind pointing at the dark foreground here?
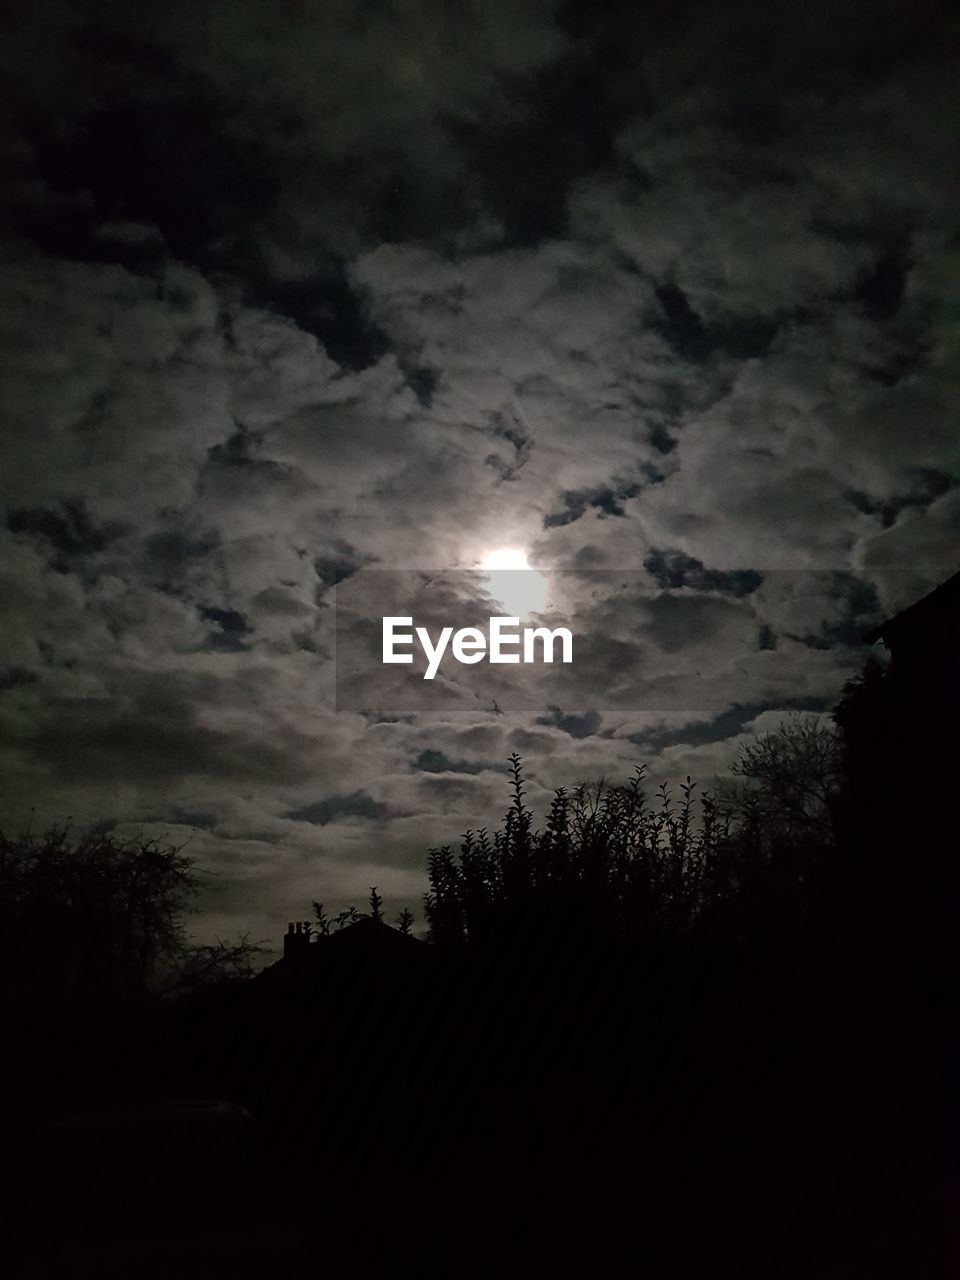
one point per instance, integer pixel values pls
(720, 1112)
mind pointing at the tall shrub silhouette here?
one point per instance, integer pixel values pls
(605, 859)
(612, 860)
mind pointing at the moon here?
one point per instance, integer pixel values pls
(520, 589)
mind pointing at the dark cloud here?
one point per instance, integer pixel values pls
(228, 628)
(322, 812)
(661, 439)
(577, 726)
(556, 127)
(607, 500)
(338, 566)
(11, 677)
(327, 306)
(927, 485)
(880, 290)
(673, 569)
(742, 337)
(678, 622)
(67, 528)
(767, 637)
(155, 739)
(431, 761)
(855, 606)
(170, 553)
(241, 449)
(187, 818)
(728, 724)
(508, 427)
(423, 383)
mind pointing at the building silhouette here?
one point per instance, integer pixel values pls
(901, 738)
(922, 639)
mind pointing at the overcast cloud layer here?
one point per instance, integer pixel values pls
(291, 291)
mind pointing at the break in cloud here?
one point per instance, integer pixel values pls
(291, 291)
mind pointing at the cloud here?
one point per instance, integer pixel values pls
(334, 808)
(431, 761)
(673, 569)
(577, 726)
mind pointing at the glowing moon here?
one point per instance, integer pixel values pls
(506, 558)
(511, 582)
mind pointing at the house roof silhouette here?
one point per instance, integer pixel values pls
(934, 616)
(366, 946)
(370, 936)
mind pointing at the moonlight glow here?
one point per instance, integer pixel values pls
(513, 583)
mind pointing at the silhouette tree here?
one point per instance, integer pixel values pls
(788, 781)
(98, 915)
(443, 903)
(376, 904)
(211, 965)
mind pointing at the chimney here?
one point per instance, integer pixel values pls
(296, 940)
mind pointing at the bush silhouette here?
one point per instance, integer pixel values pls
(100, 916)
(605, 859)
(611, 861)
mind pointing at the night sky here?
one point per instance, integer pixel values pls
(664, 295)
